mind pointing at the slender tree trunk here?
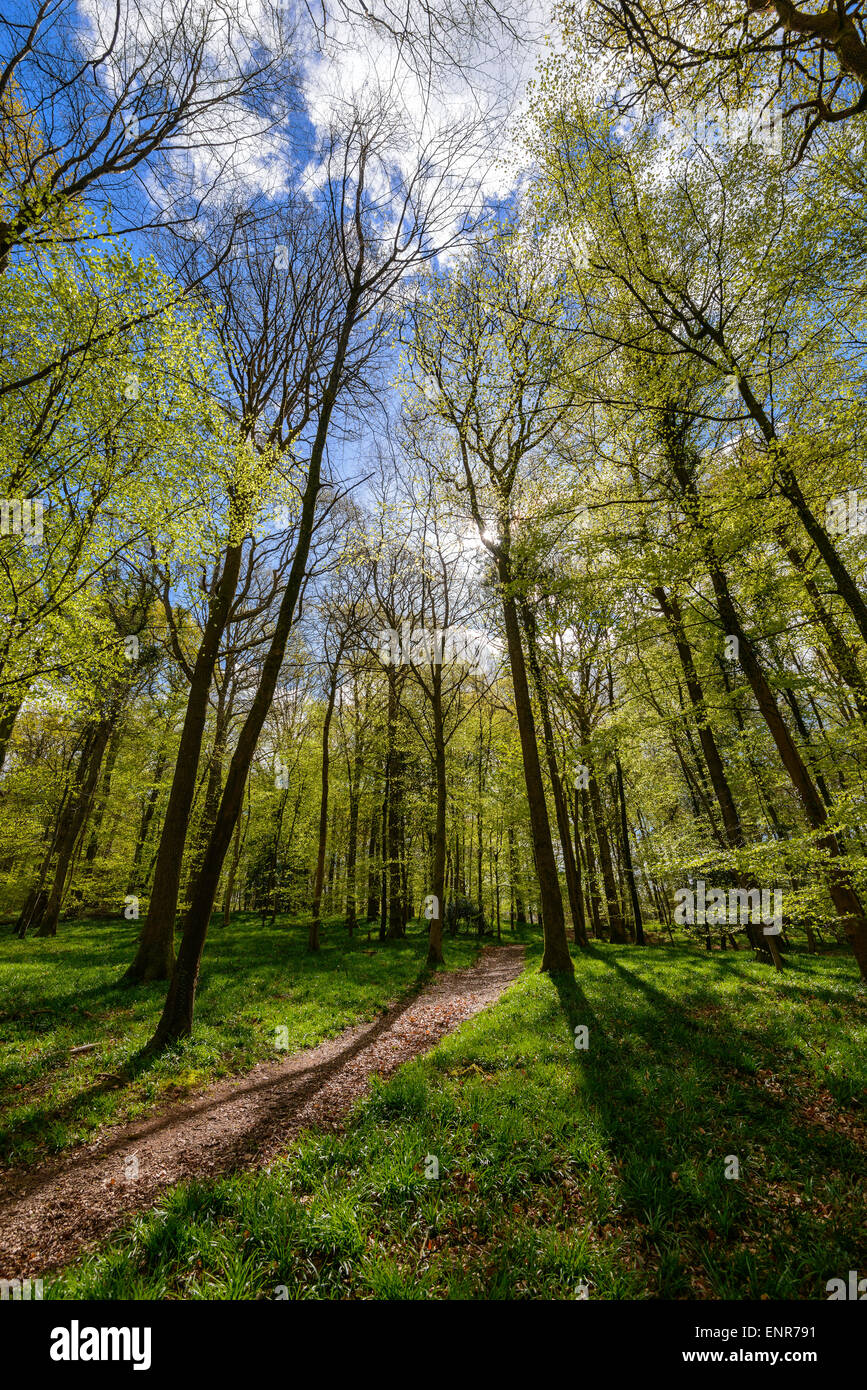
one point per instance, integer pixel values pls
(843, 894)
(177, 1017)
(788, 485)
(555, 955)
(573, 881)
(592, 886)
(77, 812)
(809, 747)
(147, 814)
(384, 877)
(34, 903)
(230, 878)
(271, 891)
(102, 796)
(515, 878)
(352, 849)
(372, 889)
(731, 821)
(615, 918)
(395, 816)
(213, 787)
(154, 958)
(9, 711)
(496, 858)
(313, 934)
(435, 938)
(765, 797)
(841, 653)
(579, 859)
(627, 856)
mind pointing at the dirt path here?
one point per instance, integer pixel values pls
(48, 1216)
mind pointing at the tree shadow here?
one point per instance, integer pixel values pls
(672, 1099)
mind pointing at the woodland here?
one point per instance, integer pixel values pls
(433, 540)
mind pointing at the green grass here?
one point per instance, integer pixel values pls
(560, 1167)
(60, 993)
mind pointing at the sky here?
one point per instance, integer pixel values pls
(350, 61)
(347, 60)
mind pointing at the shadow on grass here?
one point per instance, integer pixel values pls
(291, 1091)
(674, 1100)
(256, 971)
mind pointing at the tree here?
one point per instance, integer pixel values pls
(495, 380)
(374, 247)
(814, 58)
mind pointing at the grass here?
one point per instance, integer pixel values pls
(561, 1172)
(60, 993)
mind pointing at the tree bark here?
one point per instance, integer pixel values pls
(839, 650)
(77, 812)
(615, 917)
(555, 955)
(352, 849)
(573, 881)
(177, 1016)
(154, 958)
(790, 488)
(592, 887)
(147, 814)
(435, 937)
(373, 892)
(313, 934)
(843, 894)
(627, 856)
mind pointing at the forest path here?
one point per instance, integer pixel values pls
(48, 1216)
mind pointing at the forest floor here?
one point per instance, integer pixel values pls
(48, 1216)
(71, 1041)
(507, 1163)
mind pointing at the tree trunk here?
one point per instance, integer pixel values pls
(101, 799)
(373, 893)
(790, 488)
(839, 650)
(177, 1016)
(154, 958)
(352, 849)
(435, 938)
(592, 886)
(9, 711)
(627, 856)
(395, 818)
(77, 812)
(147, 813)
(313, 934)
(271, 891)
(515, 879)
(843, 894)
(555, 955)
(615, 918)
(573, 882)
(384, 879)
(722, 791)
(230, 880)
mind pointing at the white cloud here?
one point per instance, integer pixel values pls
(351, 61)
(362, 66)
